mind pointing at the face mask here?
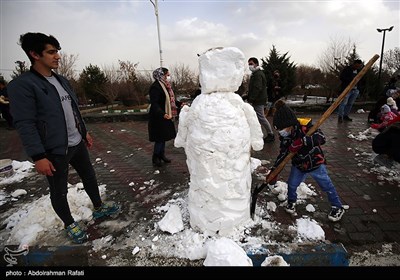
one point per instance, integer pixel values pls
(284, 133)
(168, 78)
(252, 68)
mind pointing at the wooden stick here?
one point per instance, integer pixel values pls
(327, 113)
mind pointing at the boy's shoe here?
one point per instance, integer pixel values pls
(105, 210)
(336, 213)
(77, 234)
(290, 207)
(347, 118)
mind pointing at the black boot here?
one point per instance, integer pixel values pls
(165, 159)
(156, 160)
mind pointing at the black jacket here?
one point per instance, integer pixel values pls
(39, 116)
(160, 129)
(310, 156)
(346, 76)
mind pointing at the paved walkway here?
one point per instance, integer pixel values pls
(371, 220)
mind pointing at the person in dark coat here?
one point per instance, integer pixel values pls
(162, 112)
(387, 142)
(52, 130)
(346, 77)
(5, 105)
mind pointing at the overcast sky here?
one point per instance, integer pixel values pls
(103, 32)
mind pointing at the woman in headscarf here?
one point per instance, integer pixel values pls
(162, 112)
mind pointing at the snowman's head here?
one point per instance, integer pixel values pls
(221, 69)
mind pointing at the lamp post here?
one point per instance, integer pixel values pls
(383, 45)
(155, 4)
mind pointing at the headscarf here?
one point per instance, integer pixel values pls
(170, 106)
(158, 74)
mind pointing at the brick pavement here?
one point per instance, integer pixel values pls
(373, 216)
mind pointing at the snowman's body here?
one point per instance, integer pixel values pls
(217, 133)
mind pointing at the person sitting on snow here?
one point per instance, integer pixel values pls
(386, 143)
(392, 104)
(386, 116)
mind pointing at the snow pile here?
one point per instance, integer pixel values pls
(225, 252)
(30, 224)
(21, 170)
(309, 229)
(172, 221)
(274, 261)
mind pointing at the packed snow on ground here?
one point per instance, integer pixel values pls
(35, 223)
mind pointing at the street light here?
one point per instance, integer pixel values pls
(155, 4)
(383, 44)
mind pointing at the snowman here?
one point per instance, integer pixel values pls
(217, 133)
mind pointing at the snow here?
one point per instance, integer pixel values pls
(218, 123)
(274, 261)
(225, 252)
(21, 170)
(172, 221)
(309, 229)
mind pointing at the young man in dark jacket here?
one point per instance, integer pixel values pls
(346, 76)
(257, 96)
(308, 160)
(46, 115)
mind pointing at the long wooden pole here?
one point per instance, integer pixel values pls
(327, 113)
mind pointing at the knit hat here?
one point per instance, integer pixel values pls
(284, 116)
(385, 109)
(390, 101)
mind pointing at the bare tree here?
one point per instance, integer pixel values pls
(66, 66)
(391, 60)
(335, 54)
(111, 88)
(185, 81)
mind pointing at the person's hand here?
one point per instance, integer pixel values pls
(89, 140)
(374, 125)
(45, 167)
(167, 117)
(296, 145)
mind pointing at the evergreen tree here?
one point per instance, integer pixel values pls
(286, 69)
(19, 69)
(92, 80)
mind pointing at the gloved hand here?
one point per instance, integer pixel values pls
(296, 145)
(375, 126)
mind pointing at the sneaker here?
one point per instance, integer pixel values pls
(346, 118)
(340, 119)
(336, 213)
(269, 138)
(290, 207)
(77, 234)
(105, 210)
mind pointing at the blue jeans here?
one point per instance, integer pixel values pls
(320, 175)
(262, 119)
(347, 103)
